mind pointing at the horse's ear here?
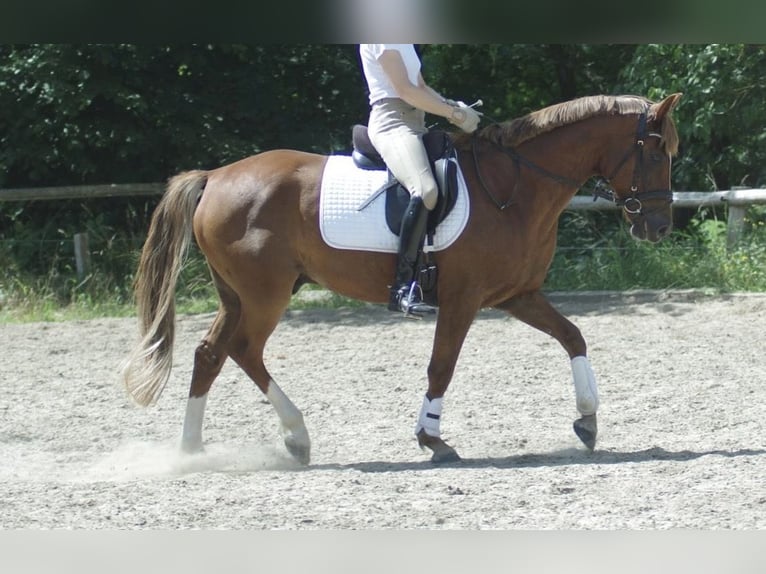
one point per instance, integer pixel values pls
(661, 109)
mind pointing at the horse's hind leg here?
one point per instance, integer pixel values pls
(243, 337)
(209, 358)
(262, 312)
(535, 310)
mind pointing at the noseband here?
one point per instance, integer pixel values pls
(632, 205)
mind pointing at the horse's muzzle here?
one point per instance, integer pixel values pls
(649, 229)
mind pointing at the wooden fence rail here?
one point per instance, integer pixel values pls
(736, 200)
(81, 192)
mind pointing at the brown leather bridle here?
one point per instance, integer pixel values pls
(633, 204)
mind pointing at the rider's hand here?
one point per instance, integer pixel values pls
(464, 117)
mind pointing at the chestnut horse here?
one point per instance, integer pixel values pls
(257, 223)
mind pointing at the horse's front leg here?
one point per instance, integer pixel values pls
(451, 329)
(535, 310)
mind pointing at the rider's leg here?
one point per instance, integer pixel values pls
(396, 131)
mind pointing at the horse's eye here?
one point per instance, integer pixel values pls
(656, 156)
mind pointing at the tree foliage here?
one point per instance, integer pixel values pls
(124, 113)
(115, 113)
(721, 117)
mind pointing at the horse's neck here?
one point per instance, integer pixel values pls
(568, 152)
(570, 156)
(544, 173)
(547, 176)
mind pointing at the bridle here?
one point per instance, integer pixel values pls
(632, 205)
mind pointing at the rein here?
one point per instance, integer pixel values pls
(517, 159)
(632, 205)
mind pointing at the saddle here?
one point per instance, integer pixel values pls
(443, 160)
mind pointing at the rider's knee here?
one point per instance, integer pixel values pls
(429, 195)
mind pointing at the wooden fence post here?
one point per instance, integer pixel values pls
(81, 255)
(735, 224)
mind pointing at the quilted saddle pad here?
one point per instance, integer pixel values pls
(345, 189)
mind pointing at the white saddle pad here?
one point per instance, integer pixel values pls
(345, 188)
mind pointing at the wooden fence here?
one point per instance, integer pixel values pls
(736, 200)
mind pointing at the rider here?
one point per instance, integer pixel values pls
(399, 100)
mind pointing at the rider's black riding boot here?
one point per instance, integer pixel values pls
(405, 293)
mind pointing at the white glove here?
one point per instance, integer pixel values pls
(464, 117)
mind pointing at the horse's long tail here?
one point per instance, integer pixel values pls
(147, 368)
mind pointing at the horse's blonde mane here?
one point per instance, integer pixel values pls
(514, 132)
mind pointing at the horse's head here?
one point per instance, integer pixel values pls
(640, 175)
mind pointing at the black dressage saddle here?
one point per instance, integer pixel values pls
(443, 160)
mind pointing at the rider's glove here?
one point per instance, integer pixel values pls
(464, 117)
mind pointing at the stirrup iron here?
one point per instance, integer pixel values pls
(411, 301)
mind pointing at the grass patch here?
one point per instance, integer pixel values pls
(695, 259)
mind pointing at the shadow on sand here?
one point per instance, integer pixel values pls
(566, 457)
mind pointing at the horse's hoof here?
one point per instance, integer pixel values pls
(445, 455)
(442, 452)
(298, 450)
(586, 429)
(192, 448)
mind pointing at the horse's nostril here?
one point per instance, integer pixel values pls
(663, 231)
